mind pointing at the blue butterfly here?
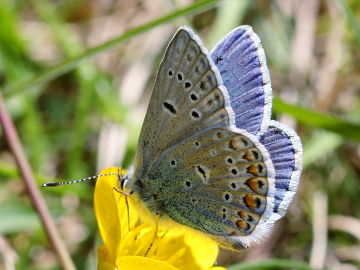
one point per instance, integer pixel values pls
(209, 156)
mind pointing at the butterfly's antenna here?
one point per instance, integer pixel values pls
(54, 184)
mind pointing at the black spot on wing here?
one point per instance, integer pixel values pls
(170, 107)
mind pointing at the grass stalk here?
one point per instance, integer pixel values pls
(71, 63)
(16, 148)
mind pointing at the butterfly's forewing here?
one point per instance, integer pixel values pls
(188, 96)
(192, 162)
(241, 61)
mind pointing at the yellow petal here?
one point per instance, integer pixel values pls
(103, 254)
(106, 211)
(183, 249)
(204, 250)
(199, 252)
(142, 263)
(126, 240)
(106, 266)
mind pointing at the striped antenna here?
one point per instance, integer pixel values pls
(54, 184)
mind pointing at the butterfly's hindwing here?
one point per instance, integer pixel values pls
(218, 181)
(284, 147)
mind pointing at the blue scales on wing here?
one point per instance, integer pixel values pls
(285, 150)
(241, 61)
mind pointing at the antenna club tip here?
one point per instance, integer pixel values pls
(49, 185)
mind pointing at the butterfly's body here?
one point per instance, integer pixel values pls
(204, 157)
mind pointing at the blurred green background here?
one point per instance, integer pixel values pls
(77, 118)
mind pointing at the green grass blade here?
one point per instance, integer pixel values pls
(271, 264)
(15, 65)
(86, 76)
(320, 145)
(63, 67)
(307, 117)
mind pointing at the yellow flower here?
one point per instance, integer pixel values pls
(133, 243)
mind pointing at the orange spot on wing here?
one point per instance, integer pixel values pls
(252, 202)
(253, 169)
(242, 225)
(252, 183)
(248, 156)
(242, 214)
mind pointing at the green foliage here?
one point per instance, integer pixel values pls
(62, 90)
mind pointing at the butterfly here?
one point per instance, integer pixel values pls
(208, 155)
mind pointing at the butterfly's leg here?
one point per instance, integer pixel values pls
(155, 234)
(122, 192)
(128, 212)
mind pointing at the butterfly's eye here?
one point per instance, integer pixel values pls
(170, 73)
(197, 143)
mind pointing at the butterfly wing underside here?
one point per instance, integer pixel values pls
(192, 163)
(241, 61)
(219, 181)
(188, 96)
